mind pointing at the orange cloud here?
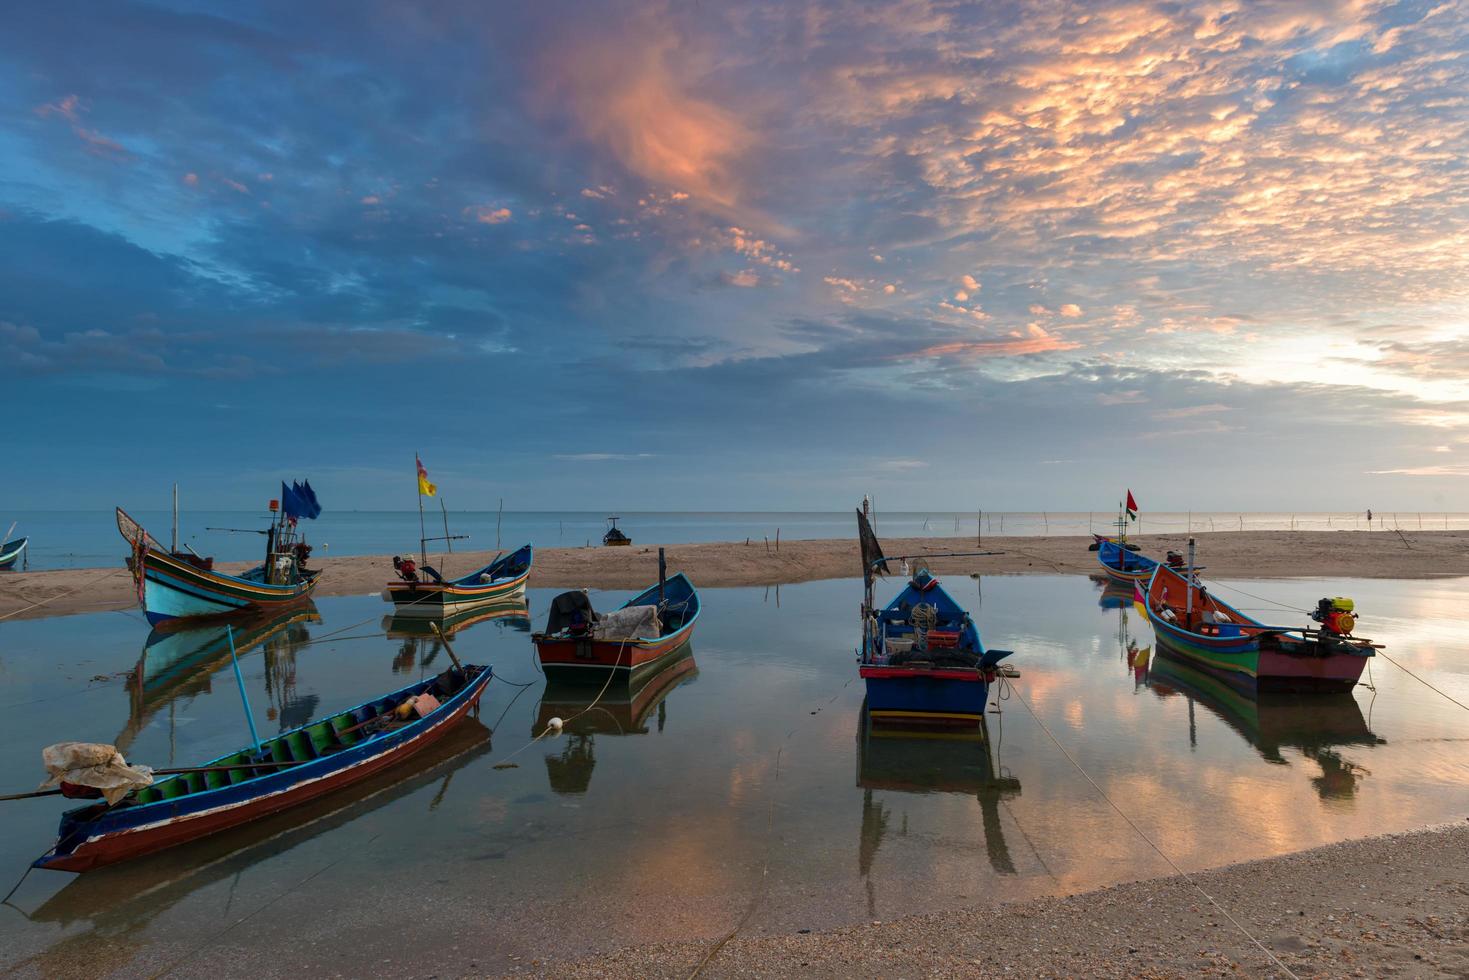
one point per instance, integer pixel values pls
(625, 93)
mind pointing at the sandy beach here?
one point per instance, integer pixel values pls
(1395, 905)
(1227, 554)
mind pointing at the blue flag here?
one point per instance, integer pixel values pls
(292, 505)
(310, 495)
(310, 509)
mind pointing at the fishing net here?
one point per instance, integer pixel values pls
(100, 767)
(629, 623)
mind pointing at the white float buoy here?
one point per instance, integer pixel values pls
(554, 726)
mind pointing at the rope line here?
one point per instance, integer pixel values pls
(1161, 853)
(1420, 680)
(62, 595)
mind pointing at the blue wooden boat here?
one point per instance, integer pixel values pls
(501, 580)
(174, 586)
(1121, 562)
(923, 660)
(11, 551)
(292, 768)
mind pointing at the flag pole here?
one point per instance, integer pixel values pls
(422, 534)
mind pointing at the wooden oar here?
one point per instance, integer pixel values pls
(440, 633)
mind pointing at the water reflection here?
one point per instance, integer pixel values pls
(620, 711)
(181, 663)
(1316, 724)
(908, 761)
(419, 645)
(119, 901)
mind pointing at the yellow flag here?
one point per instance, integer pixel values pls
(424, 487)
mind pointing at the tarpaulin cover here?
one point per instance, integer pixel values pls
(98, 766)
(629, 623)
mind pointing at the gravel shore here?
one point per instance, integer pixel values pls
(1238, 554)
(1396, 905)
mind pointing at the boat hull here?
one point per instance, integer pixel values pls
(929, 697)
(174, 590)
(126, 833)
(589, 661)
(11, 551)
(434, 600)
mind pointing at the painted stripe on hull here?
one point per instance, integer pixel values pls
(147, 838)
(173, 590)
(920, 697)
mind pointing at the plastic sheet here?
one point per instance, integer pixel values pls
(629, 623)
(92, 764)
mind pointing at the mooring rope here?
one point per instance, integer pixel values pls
(1161, 853)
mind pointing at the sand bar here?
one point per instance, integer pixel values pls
(1396, 905)
(1227, 554)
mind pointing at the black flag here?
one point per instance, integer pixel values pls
(872, 559)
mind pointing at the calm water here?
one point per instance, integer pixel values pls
(86, 539)
(656, 818)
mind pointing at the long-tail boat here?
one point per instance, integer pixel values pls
(292, 768)
(1196, 625)
(111, 900)
(10, 552)
(175, 586)
(501, 580)
(921, 654)
(583, 647)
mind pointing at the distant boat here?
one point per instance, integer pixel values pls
(584, 649)
(614, 538)
(921, 655)
(174, 586)
(1195, 625)
(11, 551)
(319, 757)
(501, 580)
(1120, 560)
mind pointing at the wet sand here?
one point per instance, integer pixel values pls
(1226, 554)
(1396, 905)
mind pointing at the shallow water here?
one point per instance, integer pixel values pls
(739, 787)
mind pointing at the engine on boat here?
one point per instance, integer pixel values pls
(1335, 615)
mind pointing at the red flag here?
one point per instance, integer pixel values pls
(1131, 506)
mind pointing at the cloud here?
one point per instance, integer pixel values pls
(601, 457)
(488, 214)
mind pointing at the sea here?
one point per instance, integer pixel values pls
(89, 538)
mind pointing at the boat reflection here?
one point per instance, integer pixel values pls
(1135, 657)
(1316, 725)
(620, 711)
(181, 663)
(121, 900)
(419, 645)
(930, 761)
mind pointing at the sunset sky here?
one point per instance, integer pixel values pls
(738, 256)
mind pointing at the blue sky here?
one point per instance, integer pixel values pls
(648, 255)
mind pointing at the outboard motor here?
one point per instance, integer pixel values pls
(1335, 615)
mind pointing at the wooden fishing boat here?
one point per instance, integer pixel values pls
(1197, 626)
(575, 653)
(923, 661)
(614, 538)
(173, 586)
(1121, 562)
(502, 579)
(111, 899)
(317, 759)
(921, 656)
(11, 551)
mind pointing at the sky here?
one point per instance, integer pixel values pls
(645, 255)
